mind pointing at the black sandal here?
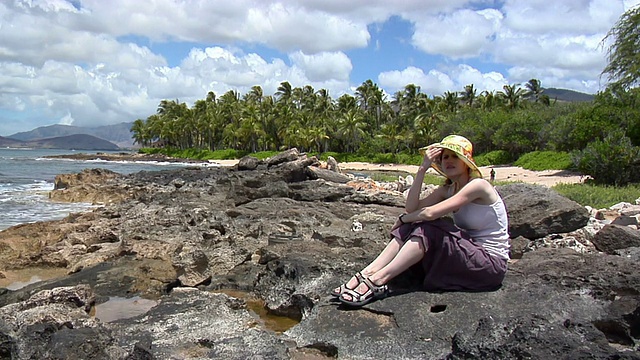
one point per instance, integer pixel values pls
(343, 288)
(374, 292)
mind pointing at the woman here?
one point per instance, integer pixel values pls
(469, 255)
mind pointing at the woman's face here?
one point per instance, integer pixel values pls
(451, 165)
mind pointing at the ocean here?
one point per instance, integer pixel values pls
(26, 177)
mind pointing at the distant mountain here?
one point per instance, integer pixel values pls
(8, 142)
(567, 95)
(70, 142)
(119, 134)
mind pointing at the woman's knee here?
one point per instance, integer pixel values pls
(416, 240)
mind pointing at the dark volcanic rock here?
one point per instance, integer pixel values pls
(197, 324)
(614, 237)
(287, 237)
(248, 163)
(536, 211)
(550, 304)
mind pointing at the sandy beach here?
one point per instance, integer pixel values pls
(503, 173)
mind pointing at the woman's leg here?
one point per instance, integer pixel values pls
(385, 257)
(409, 254)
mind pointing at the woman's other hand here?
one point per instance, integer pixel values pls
(397, 224)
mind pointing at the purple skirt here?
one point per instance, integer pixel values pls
(452, 260)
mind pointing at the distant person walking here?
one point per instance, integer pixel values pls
(493, 175)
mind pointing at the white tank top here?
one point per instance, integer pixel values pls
(488, 225)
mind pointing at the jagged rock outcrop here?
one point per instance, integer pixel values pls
(535, 211)
(278, 233)
(614, 237)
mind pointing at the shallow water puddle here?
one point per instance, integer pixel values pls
(117, 308)
(17, 279)
(276, 323)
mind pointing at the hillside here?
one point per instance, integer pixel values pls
(567, 95)
(119, 134)
(8, 142)
(70, 142)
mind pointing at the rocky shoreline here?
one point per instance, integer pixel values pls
(124, 156)
(286, 231)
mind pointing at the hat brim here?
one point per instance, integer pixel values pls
(475, 171)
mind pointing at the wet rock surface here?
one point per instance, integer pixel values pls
(288, 233)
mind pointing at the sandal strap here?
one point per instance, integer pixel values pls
(379, 291)
(356, 296)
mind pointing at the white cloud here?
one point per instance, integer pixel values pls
(436, 83)
(323, 66)
(567, 16)
(100, 62)
(461, 34)
(433, 83)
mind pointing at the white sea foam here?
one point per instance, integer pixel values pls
(26, 178)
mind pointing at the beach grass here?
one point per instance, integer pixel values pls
(599, 196)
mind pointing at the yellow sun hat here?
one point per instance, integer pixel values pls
(463, 149)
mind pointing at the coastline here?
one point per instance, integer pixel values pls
(503, 173)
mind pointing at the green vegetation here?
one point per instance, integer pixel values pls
(384, 177)
(602, 135)
(623, 54)
(496, 157)
(598, 196)
(198, 154)
(545, 160)
(614, 160)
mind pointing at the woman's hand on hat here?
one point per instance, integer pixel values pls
(430, 156)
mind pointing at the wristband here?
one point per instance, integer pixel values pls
(400, 218)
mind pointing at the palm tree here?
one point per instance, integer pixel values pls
(488, 100)
(251, 130)
(468, 96)
(534, 88)
(351, 128)
(392, 136)
(283, 93)
(140, 133)
(512, 95)
(451, 102)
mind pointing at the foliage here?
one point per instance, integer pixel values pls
(262, 155)
(599, 196)
(369, 127)
(545, 160)
(496, 157)
(375, 158)
(520, 134)
(433, 179)
(623, 54)
(199, 154)
(310, 120)
(612, 161)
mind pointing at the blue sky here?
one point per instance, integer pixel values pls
(95, 62)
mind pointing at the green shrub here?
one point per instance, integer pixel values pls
(545, 160)
(409, 159)
(264, 154)
(150, 151)
(325, 155)
(497, 157)
(386, 158)
(612, 161)
(598, 196)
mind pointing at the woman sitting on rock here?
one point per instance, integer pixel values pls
(468, 254)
